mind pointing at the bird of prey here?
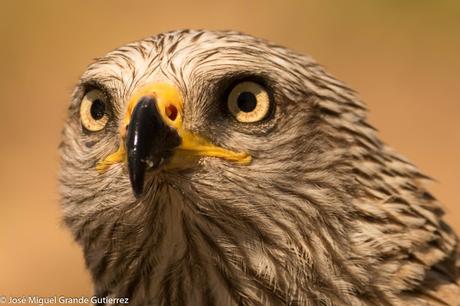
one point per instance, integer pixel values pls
(216, 168)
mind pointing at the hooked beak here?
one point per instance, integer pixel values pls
(149, 141)
(153, 136)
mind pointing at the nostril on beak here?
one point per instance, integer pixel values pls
(171, 112)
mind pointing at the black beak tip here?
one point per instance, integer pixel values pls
(138, 191)
(139, 142)
(136, 170)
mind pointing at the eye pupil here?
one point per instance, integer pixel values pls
(97, 109)
(247, 102)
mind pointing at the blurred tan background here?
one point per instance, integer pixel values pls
(402, 56)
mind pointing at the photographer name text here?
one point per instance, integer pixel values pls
(55, 300)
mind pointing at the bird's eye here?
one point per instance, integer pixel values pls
(93, 112)
(248, 102)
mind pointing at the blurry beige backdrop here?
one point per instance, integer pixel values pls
(402, 56)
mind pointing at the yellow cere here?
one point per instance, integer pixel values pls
(192, 145)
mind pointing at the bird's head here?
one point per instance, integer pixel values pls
(211, 145)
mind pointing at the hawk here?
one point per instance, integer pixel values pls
(216, 168)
